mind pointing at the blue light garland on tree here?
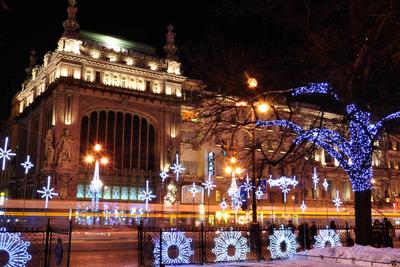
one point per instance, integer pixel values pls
(354, 153)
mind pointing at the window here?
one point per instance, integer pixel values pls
(116, 192)
(106, 79)
(80, 191)
(124, 193)
(168, 90)
(156, 87)
(88, 75)
(132, 83)
(133, 193)
(178, 92)
(97, 79)
(68, 110)
(190, 167)
(148, 85)
(123, 82)
(107, 192)
(140, 84)
(115, 80)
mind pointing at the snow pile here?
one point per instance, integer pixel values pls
(357, 252)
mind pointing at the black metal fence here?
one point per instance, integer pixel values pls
(199, 245)
(23, 245)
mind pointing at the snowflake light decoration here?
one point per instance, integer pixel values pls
(303, 206)
(337, 201)
(223, 205)
(283, 183)
(5, 154)
(327, 238)
(146, 195)
(325, 184)
(177, 167)
(259, 193)
(209, 185)
(173, 241)
(227, 240)
(16, 248)
(247, 186)
(193, 190)
(47, 192)
(163, 175)
(27, 165)
(315, 178)
(282, 243)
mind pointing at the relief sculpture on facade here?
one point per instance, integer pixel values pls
(64, 147)
(49, 148)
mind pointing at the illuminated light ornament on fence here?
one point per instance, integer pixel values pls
(230, 241)
(303, 206)
(209, 185)
(247, 186)
(193, 190)
(259, 193)
(327, 238)
(27, 165)
(164, 176)
(5, 154)
(177, 167)
(16, 248)
(337, 201)
(354, 153)
(325, 184)
(282, 244)
(283, 183)
(47, 192)
(146, 195)
(223, 205)
(171, 242)
(315, 178)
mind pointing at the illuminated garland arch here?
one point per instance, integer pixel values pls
(173, 240)
(15, 247)
(282, 244)
(327, 238)
(228, 239)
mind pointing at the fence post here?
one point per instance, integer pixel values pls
(259, 240)
(46, 246)
(140, 244)
(203, 244)
(69, 242)
(161, 250)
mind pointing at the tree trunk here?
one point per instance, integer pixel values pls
(362, 208)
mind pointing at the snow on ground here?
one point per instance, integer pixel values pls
(332, 256)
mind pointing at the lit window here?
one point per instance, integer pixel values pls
(116, 192)
(132, 83)
(88, 75)
(140, 84)
(178, 92)
(133, 193)
(115, 80)
(123, 82)
(106, 79)
(168, 90)
(124, 193)
(156, 87)
(80, 191)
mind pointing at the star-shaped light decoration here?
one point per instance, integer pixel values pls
(283, 183)
(163, 175)
(247, 186)
(47, 192)
(193, 190)
(177, 168)
(147, 195)
(303, 206)
(315, 178)
(27, 165)
(337, 201)
(259, 193)
(223, 205)
(5, 154)
(325, 184)
(209, 185)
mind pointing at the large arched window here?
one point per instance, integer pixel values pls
(129, 140)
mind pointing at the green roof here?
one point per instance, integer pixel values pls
(117, 43)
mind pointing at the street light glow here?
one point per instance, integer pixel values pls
(89, 159)
(252, 83)
(97, 147)
(262, 107)
(104, 161)
(228, 169)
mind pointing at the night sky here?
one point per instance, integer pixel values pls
(282, 43)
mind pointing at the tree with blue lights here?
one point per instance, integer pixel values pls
(353, 151)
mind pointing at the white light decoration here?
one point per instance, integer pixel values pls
(146, 195)
(327, 238)
(16, 248)
(337, 201)
(27, 165)
(5, 154)
(315, 178)
(233, 189)
(283, 183)
(209, 185)
(325, 184)
(227, 240)
(303, 206)
(223, 205)
(259, 193)
(282, 243)
(193, 190)
(177, 167)
(47, 192)
(163, 175)
(95, 186)
(173, 240)
(247, 186)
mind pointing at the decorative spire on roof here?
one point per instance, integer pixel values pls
(32, 62)
(71, 26)
(170, 48)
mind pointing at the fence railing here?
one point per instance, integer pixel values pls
(200, 245)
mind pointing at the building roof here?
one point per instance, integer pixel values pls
(117, 43)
